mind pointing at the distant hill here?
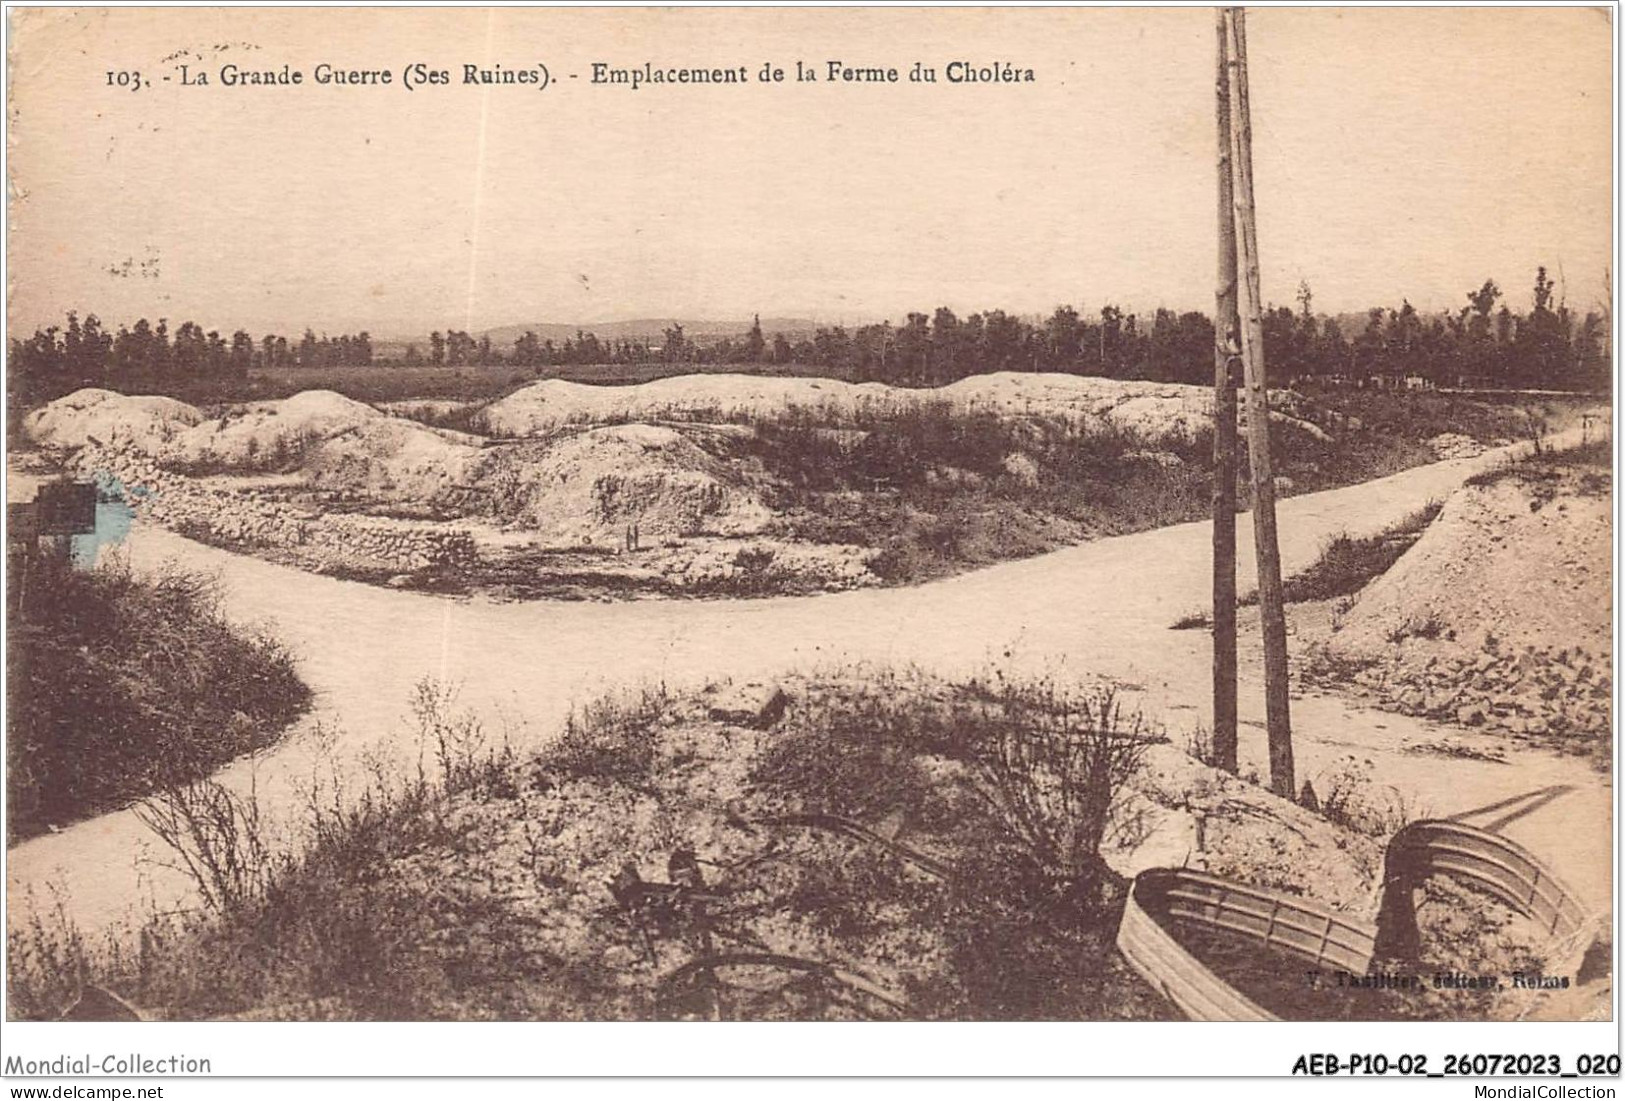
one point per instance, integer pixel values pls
(647, 329)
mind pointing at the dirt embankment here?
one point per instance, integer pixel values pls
(331, 442)
(102, 417)
(859, 844)
(1500, 615)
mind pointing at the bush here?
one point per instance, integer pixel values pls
(1350, 798)
(1055, 776)
(122, 685)
(217, 838)
(609, 739)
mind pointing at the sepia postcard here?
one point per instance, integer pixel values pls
(1091, 514)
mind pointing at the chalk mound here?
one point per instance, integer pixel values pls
(587, 486)
(393, 458)
(1154, 410)
(261, 433)
(1493, 564)
(554, 403)
(332, 442)
(1051, 394)
(93, 417)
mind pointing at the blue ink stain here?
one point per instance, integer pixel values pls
(114, 514)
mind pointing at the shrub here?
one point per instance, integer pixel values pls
(1054, 777)
(609, 739)
(1428, 625)
(1350, 798)
(216, 837)
(754, 559)
(123, 685)
(47, 960)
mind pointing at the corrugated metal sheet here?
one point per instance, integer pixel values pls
(1298, 927)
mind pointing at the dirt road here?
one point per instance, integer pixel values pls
(1099, 608)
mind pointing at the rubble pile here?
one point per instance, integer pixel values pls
(1534, 691)
(326, 542)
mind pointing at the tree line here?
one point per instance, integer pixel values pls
(60, 359)
(1483, 343)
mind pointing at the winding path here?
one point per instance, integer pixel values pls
(1098, 608)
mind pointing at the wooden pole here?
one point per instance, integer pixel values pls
(1226, 336)
(1272, 614)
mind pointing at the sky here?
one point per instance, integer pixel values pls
(1399, 153)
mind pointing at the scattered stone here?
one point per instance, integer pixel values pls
(1022, 468)
(754, 705)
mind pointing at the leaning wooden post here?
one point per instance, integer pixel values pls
(1226, 331)
(1277, 709)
